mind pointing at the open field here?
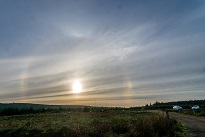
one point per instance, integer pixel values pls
(200, 112)
(86, 124)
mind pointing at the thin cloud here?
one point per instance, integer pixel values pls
(128, 50)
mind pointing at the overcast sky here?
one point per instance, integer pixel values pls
(123, 52)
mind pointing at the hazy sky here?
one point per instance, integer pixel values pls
(123, 52)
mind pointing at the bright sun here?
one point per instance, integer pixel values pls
(77, 87)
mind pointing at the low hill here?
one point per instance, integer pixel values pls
(35, 106)
(168, 105)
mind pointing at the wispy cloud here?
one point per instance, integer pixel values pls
(134, 50)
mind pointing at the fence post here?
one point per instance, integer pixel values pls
(194, 112)
(167, 114)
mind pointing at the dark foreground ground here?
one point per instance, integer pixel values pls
(91, 124)
(195, 124)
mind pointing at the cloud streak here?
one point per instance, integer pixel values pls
(134, 50)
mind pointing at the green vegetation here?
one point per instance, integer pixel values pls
(200, 112)
(169, 105)
(184, 104)
(90, 122)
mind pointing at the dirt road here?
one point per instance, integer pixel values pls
(196, 125)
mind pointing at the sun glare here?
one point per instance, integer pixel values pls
(77, 87)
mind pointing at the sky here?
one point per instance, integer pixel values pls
(121, 52)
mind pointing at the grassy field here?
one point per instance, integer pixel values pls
(200, 112)
(90, 124)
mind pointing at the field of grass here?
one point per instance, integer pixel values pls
(90, 124)
(200, 112)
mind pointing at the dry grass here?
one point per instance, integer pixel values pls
(86, 124)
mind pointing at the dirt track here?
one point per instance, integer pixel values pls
(196, 125)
